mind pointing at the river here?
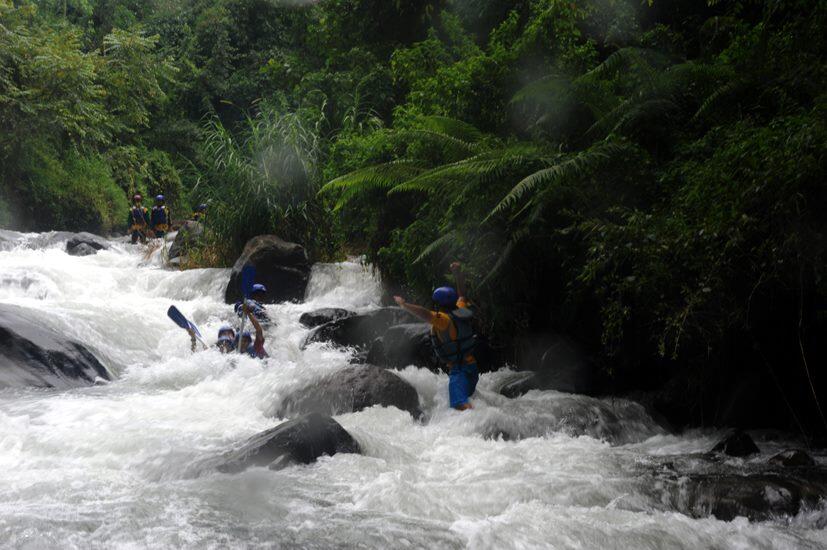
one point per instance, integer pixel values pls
(106, 466)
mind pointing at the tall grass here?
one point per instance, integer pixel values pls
(263, 179)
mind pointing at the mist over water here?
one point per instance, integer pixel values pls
(109, 466)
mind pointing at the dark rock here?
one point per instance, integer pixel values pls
(82, 249)
(559, 363)
(792, 458)
(352, 389)
(281, 266)
(519, 383)
(757, 496)
(33, 355)
(318, 317)
(737, 443)
(185, 239)
(298, 441)
(87, 240)
(403, 345)
(358, 330)
(565, 368)
(616, 421)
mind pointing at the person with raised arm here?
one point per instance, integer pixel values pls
(452, 336)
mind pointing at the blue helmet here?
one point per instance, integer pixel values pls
(259, 288)
(445, 296)
(226, 329)
(246, 335)
(159, 198)
(201, 208)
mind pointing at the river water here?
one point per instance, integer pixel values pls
(106, 466)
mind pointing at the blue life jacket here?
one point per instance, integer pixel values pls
(454, 350)
(160, 218)
(259, 311)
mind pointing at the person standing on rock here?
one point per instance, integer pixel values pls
(138, 221)
(452, 337)
(159, 218)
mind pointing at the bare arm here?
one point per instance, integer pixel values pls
(413, 309)
(459, 276)
(254, 321)
(192, 339)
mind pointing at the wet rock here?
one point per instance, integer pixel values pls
(519, 383)
(559, 363)
(85, 241)
(616, 421)
(757, 496)
(359, 330)
(352, 389)
(403, 345)
(318, 317)
(82, 249)
(298, 441)
(281, 266)
(187, 236)
(737, 443)
(33, 355)
(792, 458)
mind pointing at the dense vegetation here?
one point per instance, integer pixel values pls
(646, 177)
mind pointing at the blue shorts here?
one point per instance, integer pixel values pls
(462, 383)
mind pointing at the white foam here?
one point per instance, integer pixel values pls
(104, 466)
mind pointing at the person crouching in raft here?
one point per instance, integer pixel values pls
(159, 218)
(452, 337)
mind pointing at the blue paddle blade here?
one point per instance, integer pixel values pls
(178, 317)
(248, 279)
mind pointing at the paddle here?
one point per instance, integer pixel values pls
(179, 319)
(248, 279)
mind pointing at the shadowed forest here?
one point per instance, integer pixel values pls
(645, 178)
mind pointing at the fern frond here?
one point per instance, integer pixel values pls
(569, 169)
(485, 166)
(437, 244)
(372, 178)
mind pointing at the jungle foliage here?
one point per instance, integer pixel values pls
(647, 177)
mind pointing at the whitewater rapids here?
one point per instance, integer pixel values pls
(104, 466)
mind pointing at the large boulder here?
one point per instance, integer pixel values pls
(518, 384)
(68, 239)
(318, 317)
(352, 389)
(403, 345)
(558, 362)
(359, 331)
(33, 355)
(793, 458)
(187, 236)
(298, 441)
(281, 266)
(737, 443)
(81, 249)
(79, 243)
(701, 486)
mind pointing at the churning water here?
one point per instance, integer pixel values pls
(104, 466)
